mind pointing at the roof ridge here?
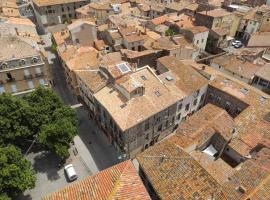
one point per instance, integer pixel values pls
(117, 183)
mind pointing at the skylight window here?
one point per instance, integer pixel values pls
(157, 93)
(262, 99)
(244, 90)
(143, 78)
(169, 78)
(123, 67)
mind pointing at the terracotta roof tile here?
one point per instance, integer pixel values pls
(117, 182)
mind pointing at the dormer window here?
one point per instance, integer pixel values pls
(22, 62)
(4, 65)
(35, 60)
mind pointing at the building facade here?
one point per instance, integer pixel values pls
(22, 68)
(50, 13)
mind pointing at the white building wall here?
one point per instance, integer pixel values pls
(200, 40)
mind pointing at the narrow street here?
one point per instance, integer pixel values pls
(100, 153)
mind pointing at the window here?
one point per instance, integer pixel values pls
(179, 107)
(41, 82)
(38, 70)
(195, 102)
(9, 76)
(218, 100)
(13, 88)
(77, 41)
(179, 116)
(187, 107)
(197, 41)
(160, 127)
(2, 89)
(22, 62)
(30, 84)
(63, 9)
(26, 72)
(202, 40)
(146, 126)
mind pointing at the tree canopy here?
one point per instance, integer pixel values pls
(41, 114)
(16, 173)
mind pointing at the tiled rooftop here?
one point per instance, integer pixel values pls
(128, 113)
(15, 48)
(252, 122)
(41, 3)
(186, 78)
(174, 174)
(237, 65)
(119, 182)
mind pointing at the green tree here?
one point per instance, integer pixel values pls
(55, 123)
(16, 173)
(57, 136)
(169, 32)
(15, 119)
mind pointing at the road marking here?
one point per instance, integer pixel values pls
(76, 106)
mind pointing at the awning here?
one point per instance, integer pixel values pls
(210, 150)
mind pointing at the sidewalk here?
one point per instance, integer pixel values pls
(85, 155)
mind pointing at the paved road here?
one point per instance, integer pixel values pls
(49, 177)
(102, 154)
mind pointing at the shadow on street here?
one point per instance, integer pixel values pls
(47, 162)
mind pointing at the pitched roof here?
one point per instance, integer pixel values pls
(237, 65)
(259, 40)
(129, 112)
(185, 77)
(41, 3)
(216, 13)
(15, 48)
(117, 182)
(201, 126)
(160, 20)
(174, 174)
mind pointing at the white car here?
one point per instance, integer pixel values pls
(70, 172)
(236, 42)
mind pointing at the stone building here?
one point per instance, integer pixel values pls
(135, 107)
(50, 13)
(22, 67)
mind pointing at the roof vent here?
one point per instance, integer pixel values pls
(244, 90)
(262, 99)
(123, 105)
(241, 189)
(169, 78)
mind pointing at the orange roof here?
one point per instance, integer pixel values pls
(160, 20)
(119, 182)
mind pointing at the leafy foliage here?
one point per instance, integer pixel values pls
(15, 119)
(16, 173)
(169, 32)
(41, 114)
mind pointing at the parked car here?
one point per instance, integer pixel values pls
(237, 44)
(70, 172)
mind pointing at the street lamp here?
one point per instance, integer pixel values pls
(35, 136)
